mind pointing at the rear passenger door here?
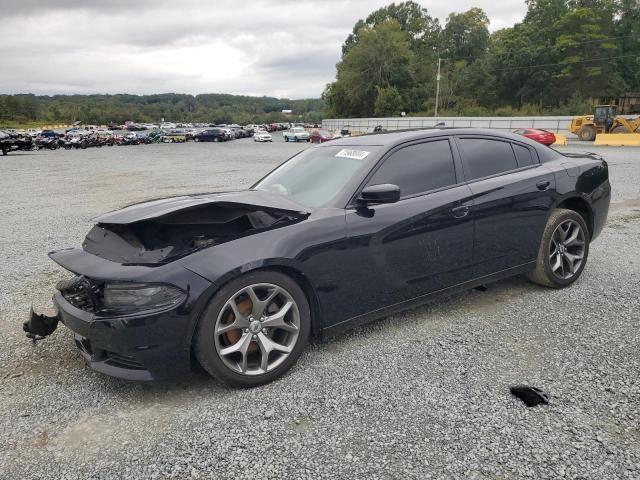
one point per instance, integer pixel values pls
(512, 196)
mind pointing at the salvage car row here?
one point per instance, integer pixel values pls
(80, 138)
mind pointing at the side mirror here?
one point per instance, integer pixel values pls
(384, 193)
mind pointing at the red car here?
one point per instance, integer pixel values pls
(541, 136)
(318, 136)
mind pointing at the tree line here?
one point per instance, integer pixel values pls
(562, 57)
(105, 109)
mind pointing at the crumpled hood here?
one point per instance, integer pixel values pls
(167, 206)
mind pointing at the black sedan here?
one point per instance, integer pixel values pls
(340, 234)
(50, 134)
(210, 135)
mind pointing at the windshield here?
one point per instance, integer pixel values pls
(316, 176)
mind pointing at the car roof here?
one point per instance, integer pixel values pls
(391, 139)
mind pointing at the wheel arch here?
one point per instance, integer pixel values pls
(582, 207)
(291, 271)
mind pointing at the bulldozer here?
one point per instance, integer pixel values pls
(603, 120)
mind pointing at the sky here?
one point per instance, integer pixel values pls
(281, 48)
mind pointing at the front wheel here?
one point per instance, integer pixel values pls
(563, 250)
(587, 133)
(196, 139)
(254, 329)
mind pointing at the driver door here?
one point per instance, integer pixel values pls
(422, 243)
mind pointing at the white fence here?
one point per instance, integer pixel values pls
(554, 124)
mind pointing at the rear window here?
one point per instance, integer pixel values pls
(484, 157)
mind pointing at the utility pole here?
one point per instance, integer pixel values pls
(438, 86)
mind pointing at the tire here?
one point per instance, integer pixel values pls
(286, 139)
(546, 273)
(620, 129)
(209, 342)
(587, 133)
(196, 139)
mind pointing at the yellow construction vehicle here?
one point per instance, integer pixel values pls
(603, 120)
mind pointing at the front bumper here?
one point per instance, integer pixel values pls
(154, 346)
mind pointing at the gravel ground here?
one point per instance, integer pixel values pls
(421, 395)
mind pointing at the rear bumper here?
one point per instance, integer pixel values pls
(139, 348)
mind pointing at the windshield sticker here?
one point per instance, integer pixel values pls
(355, 154)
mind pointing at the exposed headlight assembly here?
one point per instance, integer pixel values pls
(137, 297)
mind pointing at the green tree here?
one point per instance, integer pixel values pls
(380, 59)
(585, 46)
(388, 102)
(627, 28)
(466, 34)
(422, 30)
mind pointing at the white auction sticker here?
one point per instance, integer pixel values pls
(355, 154)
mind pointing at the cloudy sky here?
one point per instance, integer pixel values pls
(283, 48)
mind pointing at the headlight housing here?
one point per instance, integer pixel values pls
(137, 297)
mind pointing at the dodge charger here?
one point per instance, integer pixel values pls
(340, 234)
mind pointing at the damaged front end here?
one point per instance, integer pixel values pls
(177, 234)
(79, 291)
(130, 304)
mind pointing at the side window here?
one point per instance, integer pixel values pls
(523, 155)
(418, 168)
(483, 157)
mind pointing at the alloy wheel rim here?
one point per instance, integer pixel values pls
(257, 329)
(566, 249)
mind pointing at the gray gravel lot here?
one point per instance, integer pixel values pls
(418, 395)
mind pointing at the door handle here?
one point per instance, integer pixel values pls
(543, 185)
(460, 212)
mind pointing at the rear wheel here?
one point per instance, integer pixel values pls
(587, 133)
(254, 329)
(620, 129)
(563, 250)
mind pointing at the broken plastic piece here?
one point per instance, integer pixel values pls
(531, 396)
(39, 325)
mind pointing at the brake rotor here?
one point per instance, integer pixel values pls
(245, 307)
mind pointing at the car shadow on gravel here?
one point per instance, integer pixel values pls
(471, 301)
